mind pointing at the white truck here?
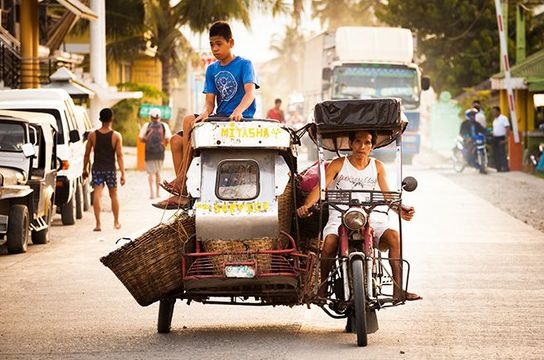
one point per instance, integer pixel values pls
(366, 62)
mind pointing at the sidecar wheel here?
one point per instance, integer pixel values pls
(359, 299)
(166, 310)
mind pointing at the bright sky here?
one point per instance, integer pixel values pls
(254, 43)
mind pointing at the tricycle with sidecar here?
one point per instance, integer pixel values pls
(247, 248)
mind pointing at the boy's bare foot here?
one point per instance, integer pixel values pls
(117, 226)
(173, 187)
(97, 229)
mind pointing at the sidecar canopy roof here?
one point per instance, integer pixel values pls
(335, 119)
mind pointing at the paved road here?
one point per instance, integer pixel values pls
(479, 270)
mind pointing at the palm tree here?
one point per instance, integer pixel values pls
(161, 22)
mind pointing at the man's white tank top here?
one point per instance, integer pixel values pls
(351, 178)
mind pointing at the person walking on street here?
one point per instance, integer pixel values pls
(501, 131)
(480, 115)
(107, 145)
(276, 112)
(155, 135)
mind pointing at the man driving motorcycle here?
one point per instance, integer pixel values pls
(358, 171)
(469, 129)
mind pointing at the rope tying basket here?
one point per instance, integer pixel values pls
(150, 267)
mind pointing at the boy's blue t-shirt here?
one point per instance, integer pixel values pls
(227, 83)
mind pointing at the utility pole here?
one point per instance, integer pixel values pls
(506, 67)
(520, 33)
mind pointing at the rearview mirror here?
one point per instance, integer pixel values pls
(409, 184)
(326, 74)
(74, 136)
(28, 150)
(425, 83)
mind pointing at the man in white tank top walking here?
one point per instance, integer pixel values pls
(358, 171)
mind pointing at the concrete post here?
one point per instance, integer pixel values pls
(27, 68)
(35, 45)
(98, 43)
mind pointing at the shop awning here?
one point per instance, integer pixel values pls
(79, 9)
(528, 74)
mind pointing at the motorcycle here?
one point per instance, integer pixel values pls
(464, 151)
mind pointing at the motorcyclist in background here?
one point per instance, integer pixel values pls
(469, 129)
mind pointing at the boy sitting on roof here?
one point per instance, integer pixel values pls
(231, 81)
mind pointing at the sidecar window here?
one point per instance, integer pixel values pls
(237, 180)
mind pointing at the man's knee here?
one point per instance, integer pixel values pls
(390, 239)
(176, 140)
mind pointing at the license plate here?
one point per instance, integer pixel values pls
(239, 271)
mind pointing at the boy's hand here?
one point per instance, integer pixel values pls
(201, 117)
(236, 115)
(122, 179)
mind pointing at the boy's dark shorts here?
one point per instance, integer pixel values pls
(99, 177)
(180, 133)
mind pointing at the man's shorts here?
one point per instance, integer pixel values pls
(153, 166)
(379, 223)
(99, 177)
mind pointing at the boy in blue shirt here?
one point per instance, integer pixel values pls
(231, 83)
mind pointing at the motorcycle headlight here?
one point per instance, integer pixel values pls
(354, 218)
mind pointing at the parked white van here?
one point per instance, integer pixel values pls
(70, 146)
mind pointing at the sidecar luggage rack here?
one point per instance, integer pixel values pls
(353, 197)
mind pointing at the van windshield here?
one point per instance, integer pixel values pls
(56, 114)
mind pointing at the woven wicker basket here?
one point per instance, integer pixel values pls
(285, 208)
(234, 251)
(150, 267)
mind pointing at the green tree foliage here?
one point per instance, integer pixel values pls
(126, 120)
(458, 39)
(333, 14)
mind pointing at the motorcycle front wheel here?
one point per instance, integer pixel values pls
(359, 299)
(459, 163)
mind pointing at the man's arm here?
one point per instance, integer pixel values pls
(143, 133)
(86, 158)
(209, 105)
(330, 173)
(384, 186)
(119, 153)
(248, 98)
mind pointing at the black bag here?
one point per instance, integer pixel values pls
(154, 145)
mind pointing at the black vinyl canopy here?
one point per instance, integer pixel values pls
(335, 119)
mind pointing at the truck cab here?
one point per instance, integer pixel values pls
(379, 64)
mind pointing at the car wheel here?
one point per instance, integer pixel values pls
(42, 236)
(18, 225)
(68, 212)
(79, 201)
